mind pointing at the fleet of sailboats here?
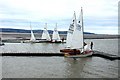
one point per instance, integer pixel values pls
(45, 36)
(74, 42)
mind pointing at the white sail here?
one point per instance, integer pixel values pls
(77, 39)
(55, 36)
(70, 33)
(32, 35)
(45, 34)
(80, 25)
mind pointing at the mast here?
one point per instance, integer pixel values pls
(75, 21)
(82, 25)
(56, 25)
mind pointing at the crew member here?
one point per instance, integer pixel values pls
(91, 45)
(85, 44)
(62, 39)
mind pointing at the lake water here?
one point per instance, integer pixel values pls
(59, 67)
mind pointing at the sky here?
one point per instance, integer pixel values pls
(100, 16)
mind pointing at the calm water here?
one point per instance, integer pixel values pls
(59, 67)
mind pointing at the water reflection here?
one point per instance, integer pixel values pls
(75, 68)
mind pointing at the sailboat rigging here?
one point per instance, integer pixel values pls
(77, 40)
(56, 36)
(70, 33)
(45, 34)
(32, 39)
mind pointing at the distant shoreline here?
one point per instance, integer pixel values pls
(18, 37)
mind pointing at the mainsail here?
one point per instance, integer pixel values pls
(55, 36)
(77, 36)
(32, 35)
(76, 39)
(45, 34)
(80, 29)
(70, 32)
(80, 23)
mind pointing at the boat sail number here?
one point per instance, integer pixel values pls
(78, 27)
(71, 28)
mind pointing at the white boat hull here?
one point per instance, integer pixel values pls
(30, 41)
(79, 55)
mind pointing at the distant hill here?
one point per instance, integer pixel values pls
(11, 30)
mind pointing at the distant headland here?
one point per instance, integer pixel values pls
(16, 35)
(11, 30)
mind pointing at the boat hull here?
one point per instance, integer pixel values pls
(68, 50)
(40, 41)
(29, 42)
(84, 54)
(58, 42)
(2, 44)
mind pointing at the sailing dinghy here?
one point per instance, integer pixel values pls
(56, 36)
(32, 39)
(75, 40)
(45, 35)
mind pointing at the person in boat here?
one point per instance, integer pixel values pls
(1, 42)
(91, 45)
(86, 49)
(55, 40)
(63, 39)
(85, 44)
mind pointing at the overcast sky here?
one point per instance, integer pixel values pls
(100, 16)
